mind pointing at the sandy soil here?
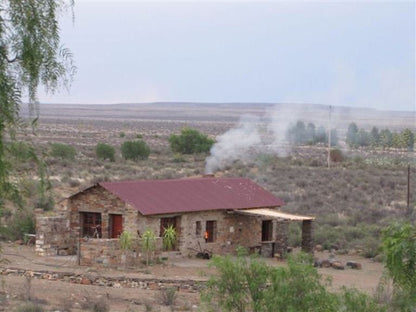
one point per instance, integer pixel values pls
(64, 296)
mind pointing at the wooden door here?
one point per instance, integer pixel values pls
(116, 225)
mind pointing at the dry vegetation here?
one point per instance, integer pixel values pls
(352, 201)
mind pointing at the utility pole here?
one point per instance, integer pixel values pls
(329, 138)
(409, 211)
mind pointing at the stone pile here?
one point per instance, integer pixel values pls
(185, 285)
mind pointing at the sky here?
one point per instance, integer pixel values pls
(350, 53)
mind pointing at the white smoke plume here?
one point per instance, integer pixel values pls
(235, 144)
(254, 135)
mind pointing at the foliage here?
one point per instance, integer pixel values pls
(30, 307)
(63, 151)
(169, 237)
(104, 151)
(30, 56)
(190, 141)
(301, 134)
(399, 245)
(375, 138)
(336, 155)
(21, 222)
(148, 243)
(248, 284)
(125, 240)
(135, 150)
(168, 296)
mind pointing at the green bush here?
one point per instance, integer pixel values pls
(104, 151)
(399, 245)
(20, 223)
(63, 151)
(135, 150)
(190, 141)
(248, 284)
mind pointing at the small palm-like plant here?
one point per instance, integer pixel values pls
(125, 240)
(148, 243)
(169, 237)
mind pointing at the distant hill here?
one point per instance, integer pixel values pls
(230, 112)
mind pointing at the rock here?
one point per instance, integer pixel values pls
(317, 263)
(85, 281)
(354, 265)
(325, 264)
(62, 252)
(337, 265)
(319, 248)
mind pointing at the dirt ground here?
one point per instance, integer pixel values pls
(64, 296)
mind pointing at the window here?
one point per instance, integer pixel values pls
(198, 228)
(266, 231)
(165, 223)
(91, 224)
(210, 231)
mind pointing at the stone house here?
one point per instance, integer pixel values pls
(216, 214)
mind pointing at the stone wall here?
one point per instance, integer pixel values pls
(232, 230)
(53, 236)
(307, 236)
(99, 200)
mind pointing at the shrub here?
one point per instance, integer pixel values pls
(336, 155)
(63, 151)
(190, 141)
(148, 243)
(22, 222)
(135, 150)
(104, 151)
(125, 240)
(247, 284)
(169, 237)
(30, 307)
(168, 296)
(399, 245)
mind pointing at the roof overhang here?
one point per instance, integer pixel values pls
(274, 214)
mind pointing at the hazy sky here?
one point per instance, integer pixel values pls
(352, 53)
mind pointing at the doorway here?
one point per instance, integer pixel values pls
(116, 225)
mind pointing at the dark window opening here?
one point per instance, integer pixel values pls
(198, 228)
(165, 223)
(266, 231)
(91, 224)
(210, 231)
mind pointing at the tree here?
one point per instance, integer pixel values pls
(63, 151)
(374, 137)
(104, 151)
(408, 139)
(386, 138)
(352, 135)
(31, 55)
(399, 246)
(190, 141)
(310, 133)
(135, 150)
(320, 135)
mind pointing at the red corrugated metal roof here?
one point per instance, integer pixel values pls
(186, 195)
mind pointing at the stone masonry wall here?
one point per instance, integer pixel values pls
(232, 230)
(53, 236)
(97, 199)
